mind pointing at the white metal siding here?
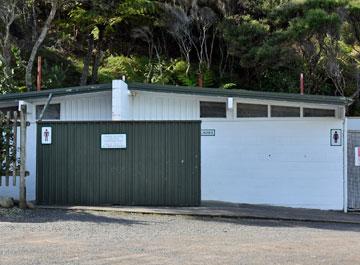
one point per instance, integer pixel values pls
(156, 106)
(353, 123)
(96, 106)
(287, 163)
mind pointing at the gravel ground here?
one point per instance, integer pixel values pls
(68, 237)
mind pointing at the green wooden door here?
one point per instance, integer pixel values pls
(160, 164)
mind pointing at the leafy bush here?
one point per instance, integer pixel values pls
(7, 153)
(229, 86)
(8, 76)
(180, 74)
(54, 75)
(133, 67)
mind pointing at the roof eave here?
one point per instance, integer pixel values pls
(328, 100)
(55, 92)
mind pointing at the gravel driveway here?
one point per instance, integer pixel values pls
(61, 237)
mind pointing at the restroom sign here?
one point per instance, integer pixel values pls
(357, 156)
(46, 135)
(336, 137)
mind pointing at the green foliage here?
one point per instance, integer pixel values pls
(180, 74)
(259, 45)
(54, 75)
(244, 36)
(58, 71)
(7, 152)
(162, 71)
(229, 86)
(315, 22)
(9, 74)
(133, 67)
(209, 78)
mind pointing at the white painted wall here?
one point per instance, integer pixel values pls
(95, 106)
(140, 105)
(277, 162)
(353, 123)
(161, 106)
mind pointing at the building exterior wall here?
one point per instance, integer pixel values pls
(353, 123)
(160, 106)
(277, 162)
(95, 106)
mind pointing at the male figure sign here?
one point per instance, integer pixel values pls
(46, 135)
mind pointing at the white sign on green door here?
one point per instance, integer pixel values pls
(46, 135)
(357, 156)
(113, 141)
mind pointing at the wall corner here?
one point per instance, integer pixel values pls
(120, 101)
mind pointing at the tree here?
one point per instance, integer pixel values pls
(55, 4)
(9, 11)
(94, 23)
(313, 28)
(179, 25)
(204, 19)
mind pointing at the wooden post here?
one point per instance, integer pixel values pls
(14, 167)
(39, 74)
(22, 202)
(8, 148)
(200, 80)
(1, 143)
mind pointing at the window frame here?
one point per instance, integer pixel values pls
(270, 103)
(320, 117)
(251, 103)
(213, 101)
(285, 106)
(43, 104)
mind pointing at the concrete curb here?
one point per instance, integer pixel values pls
(216, 213)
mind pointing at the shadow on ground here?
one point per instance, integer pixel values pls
(17, 215)
(281, 223)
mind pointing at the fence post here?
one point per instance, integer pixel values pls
(14, 165)
(22, 201)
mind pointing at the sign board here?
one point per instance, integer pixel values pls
(208, 132)
(113, 141)
(46, 135)
(357, 156)
(336, 137)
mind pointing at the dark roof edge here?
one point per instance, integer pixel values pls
(332, 100)
(56, 92)
(341, 101)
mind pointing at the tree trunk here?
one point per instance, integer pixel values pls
(34, 21)
(87, 59)
(39, 41)
(6, 48)
(98, 56)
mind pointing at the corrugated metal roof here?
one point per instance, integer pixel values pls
(56, 92)
(332, 100)
(181, 90)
